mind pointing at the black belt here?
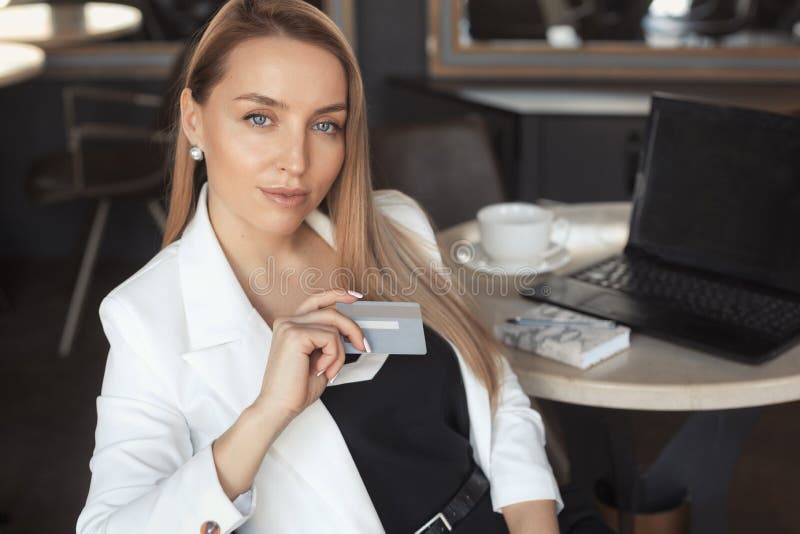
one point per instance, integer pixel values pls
(459, 506)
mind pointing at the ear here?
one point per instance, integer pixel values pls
(191, 118)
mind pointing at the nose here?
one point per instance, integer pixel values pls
(292, 158)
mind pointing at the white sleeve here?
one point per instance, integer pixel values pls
(407, 211)
(520, 470)
(145, 474)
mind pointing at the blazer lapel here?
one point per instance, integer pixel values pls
(234, 369)
(229, 348)
(222, 332)
(320, 455)
(312, 443)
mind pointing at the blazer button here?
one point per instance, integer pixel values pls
(209, 527)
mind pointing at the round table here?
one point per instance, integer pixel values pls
(19, 62)
(59, 25)
(653, 374)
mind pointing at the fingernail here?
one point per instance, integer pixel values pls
(366, 345)
(320, 372)
(355, 293)
(334, 378)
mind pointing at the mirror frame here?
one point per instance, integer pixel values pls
(449, 58)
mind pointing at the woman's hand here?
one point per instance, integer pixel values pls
(303, 346)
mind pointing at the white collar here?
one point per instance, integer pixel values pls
(215, 304)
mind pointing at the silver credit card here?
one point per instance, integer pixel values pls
(390, 327)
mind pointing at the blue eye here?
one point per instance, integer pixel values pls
(331, 129)
(258, 120)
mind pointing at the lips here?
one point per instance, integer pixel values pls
(284, 196)
(286, 191)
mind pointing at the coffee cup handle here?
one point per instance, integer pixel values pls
(560, 225)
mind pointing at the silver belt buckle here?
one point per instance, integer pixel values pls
(432, 521)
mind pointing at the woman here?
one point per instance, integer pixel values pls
(228, 401)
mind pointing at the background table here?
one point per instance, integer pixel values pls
(19, 62)
(59, 25)
(653, 374)
(573, 141)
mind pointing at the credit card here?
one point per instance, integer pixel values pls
(390, 327)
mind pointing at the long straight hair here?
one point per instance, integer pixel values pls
(366, 240)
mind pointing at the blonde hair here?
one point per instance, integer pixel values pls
(366, 240)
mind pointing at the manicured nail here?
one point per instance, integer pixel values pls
(320, 372)
(366, 345)
(355, 293)
(334, 378)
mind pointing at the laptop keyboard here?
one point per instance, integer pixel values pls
(691, 292)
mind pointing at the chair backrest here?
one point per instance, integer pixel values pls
(609, 19)
(448, 166)
(720, 17)
(140, 152)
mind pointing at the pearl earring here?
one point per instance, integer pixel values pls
(196, 153)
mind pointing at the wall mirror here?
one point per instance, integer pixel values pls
(747, 40)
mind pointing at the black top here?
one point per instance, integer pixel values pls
(408, 432)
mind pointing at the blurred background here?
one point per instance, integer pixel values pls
(470, 102)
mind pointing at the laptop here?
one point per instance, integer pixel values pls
(713, 256)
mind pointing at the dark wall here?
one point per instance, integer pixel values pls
(391, 42)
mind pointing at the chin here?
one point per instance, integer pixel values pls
(278, 221)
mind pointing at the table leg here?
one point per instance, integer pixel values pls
(624, 467)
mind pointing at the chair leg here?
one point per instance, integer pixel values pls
(84, 276)
(157, 213)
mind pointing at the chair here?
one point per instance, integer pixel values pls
(710, 18)
(610, 20)
(716, 18)
(104, 162)
(448, 166)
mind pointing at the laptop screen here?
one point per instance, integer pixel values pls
(719, 189)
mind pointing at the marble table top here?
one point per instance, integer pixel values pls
(653, 374)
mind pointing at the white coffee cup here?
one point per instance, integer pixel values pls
(516, 232)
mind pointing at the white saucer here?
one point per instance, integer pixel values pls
(555, 257)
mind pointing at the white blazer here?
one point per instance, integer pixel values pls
(187, 355)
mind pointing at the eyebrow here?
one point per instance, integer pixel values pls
(264, 100)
